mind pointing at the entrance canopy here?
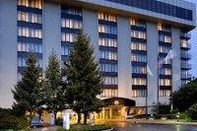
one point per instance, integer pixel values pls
(119, 101)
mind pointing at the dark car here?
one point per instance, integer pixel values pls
(36, 122)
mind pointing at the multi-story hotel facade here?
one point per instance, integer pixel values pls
(128, 36)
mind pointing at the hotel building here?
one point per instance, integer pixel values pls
(128, 36)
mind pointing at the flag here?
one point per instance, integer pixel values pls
(159, 62)
(171, 54)
(149, 70)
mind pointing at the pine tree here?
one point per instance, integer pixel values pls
(84, 80)
(28, 91)
(54, 91)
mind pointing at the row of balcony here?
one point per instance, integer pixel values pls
(186, 35)
(186, 66)
(185, 55)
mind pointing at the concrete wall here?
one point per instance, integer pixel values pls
(176, 61)
(8, 51)
(90, 27)
(152, 53)
(124, 55)
(51, 20)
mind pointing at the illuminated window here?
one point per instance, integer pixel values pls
(165, 38)
(138, 46)
(70, 23)
(138, 93)
(110, 80)
(138, 23)
(29, 47)
(31, 3)
(138, 81)
(68, 37)
(23, 2)
(165, 71)
(29, 32)
(164, 93)
(165, 28)
(109, 93)
(138, 34)
(109, 29)
(138, 58)
(108, 42)
(106, 17)
(165, 82)
(139, 69)
(108, 55)
(108, 67)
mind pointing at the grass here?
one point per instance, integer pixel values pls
(80, 127)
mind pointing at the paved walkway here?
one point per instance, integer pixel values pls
(50, 128)
(160, 121)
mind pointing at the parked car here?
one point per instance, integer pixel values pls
(36, 122)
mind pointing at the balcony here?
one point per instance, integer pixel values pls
(186, 76)
(185, 66)
(185, 56)
(186, 36)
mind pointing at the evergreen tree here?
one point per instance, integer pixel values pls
(54, 90)
(84, 80)
(27, 92)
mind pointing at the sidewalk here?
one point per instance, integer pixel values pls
(50, 128)
(159, 121)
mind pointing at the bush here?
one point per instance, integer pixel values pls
(192, 112)
(86, 128)
(9, 121)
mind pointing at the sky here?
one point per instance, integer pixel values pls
(193, 51)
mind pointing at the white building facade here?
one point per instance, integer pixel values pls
(129, 36)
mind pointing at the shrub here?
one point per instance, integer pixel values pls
(9, 121)
(192, 112)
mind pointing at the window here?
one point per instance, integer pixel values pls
(108, 42)
(108, 68)
(68, 37)
(29, 47)
(138, 93)
(165, 38)
(109, 29)
(163, 49)
(71, 11)
(165, 82)
(138, 34)
(31, 3)
(108, 55)
(139, 69)
(29, 32)
(138, 58)
(138, 81)
(64, 50)
(138, 23)
(138, 46)
(164, 93)
(110, 80)
(165, 71)
(21, 62)
(29, 17)
(70, 23)
(109, 93)
(107, 17)
(161, 27)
